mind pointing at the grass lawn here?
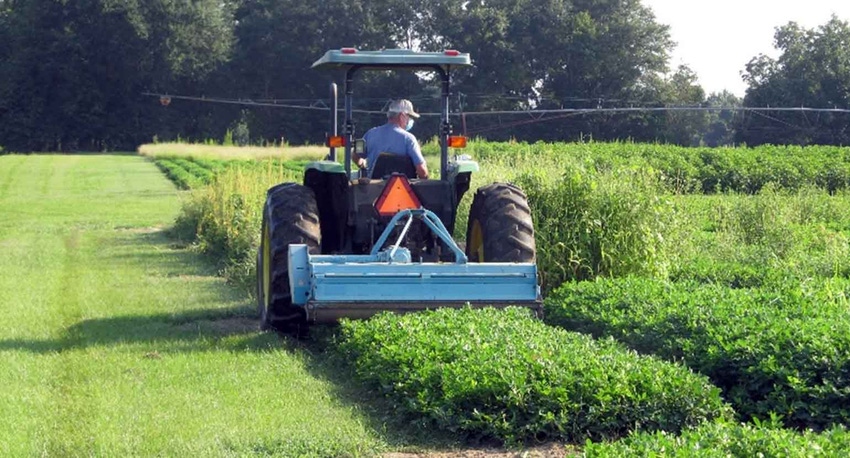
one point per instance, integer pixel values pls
(113, 342)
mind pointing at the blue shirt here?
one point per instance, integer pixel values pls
(390, 138)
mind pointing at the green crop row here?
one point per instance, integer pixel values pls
(192, 172)
(189, 173)
(502, 374)
(213, 165)
(722, 440)
(687, 170)
(203, 174)
(182, 178)
(772, 352)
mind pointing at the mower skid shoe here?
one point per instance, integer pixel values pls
(331, 313)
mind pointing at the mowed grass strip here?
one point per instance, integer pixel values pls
(115, 343)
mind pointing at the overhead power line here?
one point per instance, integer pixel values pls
(245, 102)
(319, 105)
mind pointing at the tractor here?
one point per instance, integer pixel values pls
(342, 245)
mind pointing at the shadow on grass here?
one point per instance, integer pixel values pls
(195, 330)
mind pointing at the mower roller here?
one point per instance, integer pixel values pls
(343, 245)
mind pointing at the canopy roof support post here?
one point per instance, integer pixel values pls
(445, 123)
(349, 123)
(334, 119)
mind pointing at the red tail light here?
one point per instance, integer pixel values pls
(336, 141)
(457, 141)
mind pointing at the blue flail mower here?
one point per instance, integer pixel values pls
(357, 286)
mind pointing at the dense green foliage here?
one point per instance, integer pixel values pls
(72, 74)
(689, 170)
(783, 352)
(722, 440)
(635, 209)
(812, 70)
(502, 374)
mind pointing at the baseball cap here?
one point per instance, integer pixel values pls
(402, 106)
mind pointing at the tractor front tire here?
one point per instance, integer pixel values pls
(290, 216)
(500, 228)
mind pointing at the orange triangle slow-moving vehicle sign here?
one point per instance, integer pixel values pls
(396, 196)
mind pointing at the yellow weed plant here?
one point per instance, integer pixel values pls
(207, 151)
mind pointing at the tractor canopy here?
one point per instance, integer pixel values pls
(392, 59)
(352, 60)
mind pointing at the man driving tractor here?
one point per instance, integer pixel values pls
(394, 138)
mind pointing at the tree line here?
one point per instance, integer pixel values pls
(73, 73)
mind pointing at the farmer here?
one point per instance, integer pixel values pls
(394, 137)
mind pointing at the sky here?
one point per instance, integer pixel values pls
(717, 38)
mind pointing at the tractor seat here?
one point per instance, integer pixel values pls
(387, 163)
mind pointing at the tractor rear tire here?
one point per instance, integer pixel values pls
(500, 228)
(290, 216)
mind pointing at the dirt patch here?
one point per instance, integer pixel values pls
(196, 278)
(552, 450)
(140, 230)
(72, 241)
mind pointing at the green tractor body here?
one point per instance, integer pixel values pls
(341, 245)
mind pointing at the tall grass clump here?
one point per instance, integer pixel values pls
(502, 374)
(590, 224)
(232, 152)
(223, 219)
(504, 163)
